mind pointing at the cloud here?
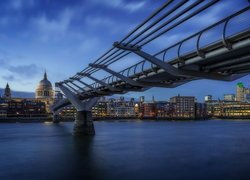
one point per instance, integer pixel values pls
(53, 28)
(3, 62)
(89, 45)
(99, 21)
(18, 5)
(110, 25)
(121, 4)
(134, 6)
(25, 70)
(214, 14)
(10, 78)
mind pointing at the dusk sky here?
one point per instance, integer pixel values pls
(64, 36)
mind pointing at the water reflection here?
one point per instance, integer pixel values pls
(127, 150)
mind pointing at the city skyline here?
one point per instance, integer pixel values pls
(75, 33)
(156, 98)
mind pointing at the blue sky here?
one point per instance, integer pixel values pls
(64, 36)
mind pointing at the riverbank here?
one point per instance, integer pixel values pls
(50, 119)
(25, 119)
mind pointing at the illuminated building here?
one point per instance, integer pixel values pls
(121, 108)
(247, 98)
(240, 89)
(247, 95)
(165, 109)
(68, 113)
(18, 107)
(226, 109)
(208, 98)
(210, 107)
(185, 106)
(137, 109)
(100, 109)
(141, 99)
(201, 111)
(229, 97)
(3, 108)
(45, 92)
(148, 110)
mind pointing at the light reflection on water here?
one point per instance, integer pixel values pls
(127, 150)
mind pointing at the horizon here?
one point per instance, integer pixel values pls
(148, 98)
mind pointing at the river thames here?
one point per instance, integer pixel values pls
(215, 149)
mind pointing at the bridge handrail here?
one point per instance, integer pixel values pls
(123, 53)
(198, 49)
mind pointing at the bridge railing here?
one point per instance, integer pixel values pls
(180, 14)
(152, 28)
(142, 67)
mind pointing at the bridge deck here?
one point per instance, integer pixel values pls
(225, 59)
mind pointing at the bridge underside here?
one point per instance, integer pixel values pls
(217, 59)
(226, 59)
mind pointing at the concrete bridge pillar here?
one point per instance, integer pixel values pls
(83, 121)
(56, 118)
(83, 124)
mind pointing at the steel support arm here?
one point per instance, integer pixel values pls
(75, 101)
(140, 83)
(92, 88)
(77, 86)
(168, 85)
(77, 91)
(73, 98)
(137, 50)
(66, 83)
(120, 76)
(101, 82)
(81, 88)
(171, 70)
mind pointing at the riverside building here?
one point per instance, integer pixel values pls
(242, 93)
(233, 106)
(121, 108)
(20, 107)
(185, 106)
(28, 107)
(233, 109)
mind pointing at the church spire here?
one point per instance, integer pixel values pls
(7, 91)
(45, 75)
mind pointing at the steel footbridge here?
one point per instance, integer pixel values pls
(225, 58)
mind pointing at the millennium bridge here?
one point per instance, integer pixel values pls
(226, 58)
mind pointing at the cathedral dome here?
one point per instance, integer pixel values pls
(44, 88)
(45, 82)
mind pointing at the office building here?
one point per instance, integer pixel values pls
(185, 106)
(229, 97)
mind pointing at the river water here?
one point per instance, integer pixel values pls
(215, 149)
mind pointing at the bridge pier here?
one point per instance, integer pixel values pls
(56, 117)
(83, 120)
(83, 124)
